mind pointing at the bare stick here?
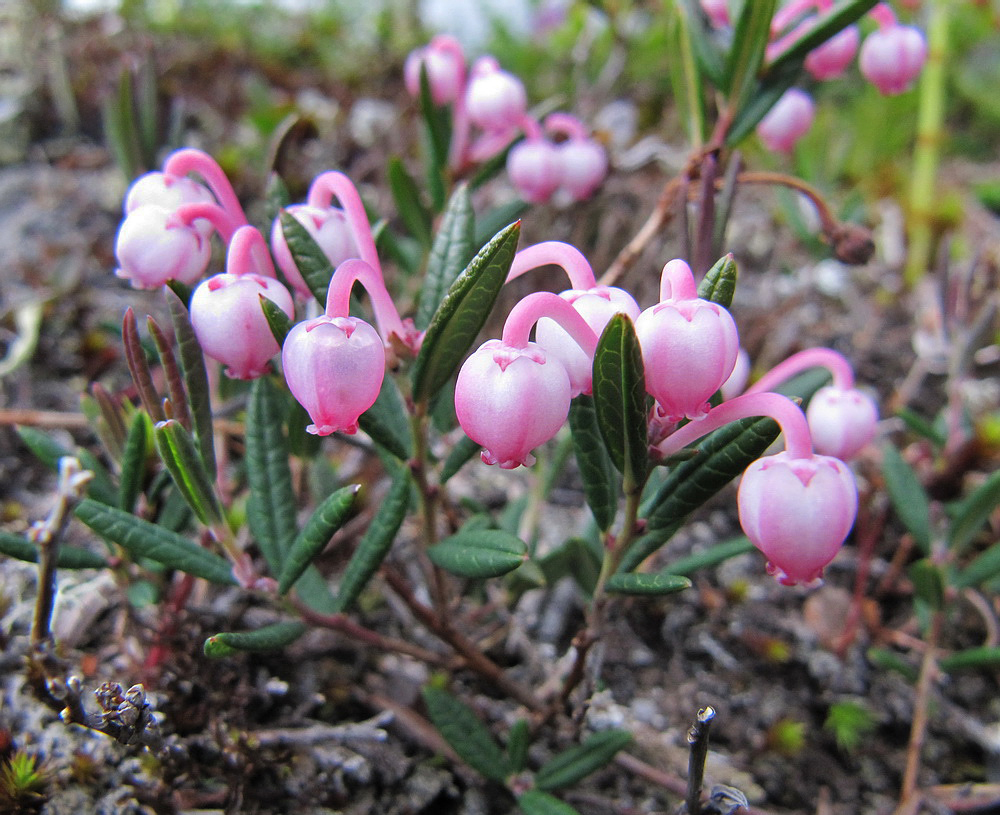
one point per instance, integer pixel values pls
(698, 740)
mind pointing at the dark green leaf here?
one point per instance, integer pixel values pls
(575, 558)
(983, 569)
(269, 638)
(386, 421)
(719, 283)
(620, 399)
(578, 762)
(276, 198)
(518, 741)
(600, 483)
(908, 496)
(751, 35)
(536, 802)
(411, 209)
(315, 535)
(310, 260)
(183, 461)
(462, 314)
(887, 660)
(492, 221)
(138, 366)
(467, 735)
(451, 251)
(480, 553)
(985, 657)
(375, 544)
(646, 584)
(928, 583)
(279, 322)
(764, 97)
(69, 557)
(712, 556)
(438, 127)
(135, 458)
(463, 450)
(146, 540)
(49, 452)
(826, 25)
(919, 425)
(710, 57)
(973, 512)
(176, 392)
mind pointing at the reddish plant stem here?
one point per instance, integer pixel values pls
(869, 529)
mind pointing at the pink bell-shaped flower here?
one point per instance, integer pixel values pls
(717, 12)
(230, 325)
(510, 400)
(334, 367)
(787, 122)
(892, 57)
(689, 345)
(169, 192)
(841, 421)
(328, 226)
(597, 306)
(583, 164)
(154, 246)
(495, 99)
(535, 169)
(445, 65)
(797, 511)
(831, 59)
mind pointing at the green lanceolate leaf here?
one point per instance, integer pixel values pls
(719, 283)
(985, 657)
(493, 220)
(386, 421)
(908, 497)
(575, 558)
(183, 461)
(707, 52)
(620, 398)
(722, 456)
(451, 251)
(646, 584)
(536, 802)
(480, 553)
(973, 512)
(134, 459)
(138, 366)
(467, 735)
(928, 583)
(578, 762)
(68, 557)
(712, 556)
(438, 127)
(760, 100)
(327, 519)
(984, 568)
(142, 539)
(312, 263)
(406, 194)
(462, 314)
(600, 482)
(276, 197)
(176, 392)
(279, 322)
(48, 451)
(518, 742)
(825, 26)
(375, 544)
(462, 451)
(269, 638)
(751, 35)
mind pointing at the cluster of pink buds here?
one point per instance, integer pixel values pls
(890, 58)
(558, 155)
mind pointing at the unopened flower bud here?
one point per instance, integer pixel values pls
(892, 58)
(787, 122)
(841, 421)
(797, 511)
(495, 99)
(169, 192)
(535, 169)
(153, 247)
(445, 65)
(717, 12)
(583, 165)
(831, 59)
(511, 400)
(328, 227)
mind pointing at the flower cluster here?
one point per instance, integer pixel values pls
(555, 156)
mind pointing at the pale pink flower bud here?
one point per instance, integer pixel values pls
(597, 306)
(534, 169)
(154, 247)
(841, 421)
(445, 65)
(717, 12)
(495, 99)
(334, 367)
(892, 58)
(583, 165)
(798, 512)
(230, 324)
(328, 227)
(737, 381)
(831, 59)
(510, 400)
(787, 122)
(169, 192)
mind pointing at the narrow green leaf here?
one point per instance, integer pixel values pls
(183, 461)
(69, 557)
(437, 122)
(576, 763)
(147, 108)
(763, 97)
(467, 735)
(143, 539)
(386, 421)
(493, 220)
(135, 358)
(719, 283)
(722, 456)
(646, 584)
(983, 569)
(310, 260)
(973, 512)
(272, 637)
(600, 482)
(172, 373)
(620, 398)
(134, 461)
(712, 556)
(908, 497)
(462, 314)
(707, 53)
(575, 558)
(462, 451)
(272, 505)
(276, 197)
(536, 802)
(887, 660)
(825, 26)
(327, 519)
(919, 425)
(118, 119)
(518, 742)
(48, 451)
(375, 544)
(928, 583)
(406, 194)
(451, 251)
(985, 657)
(480, 553)
(751, 35)
(279, 322)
